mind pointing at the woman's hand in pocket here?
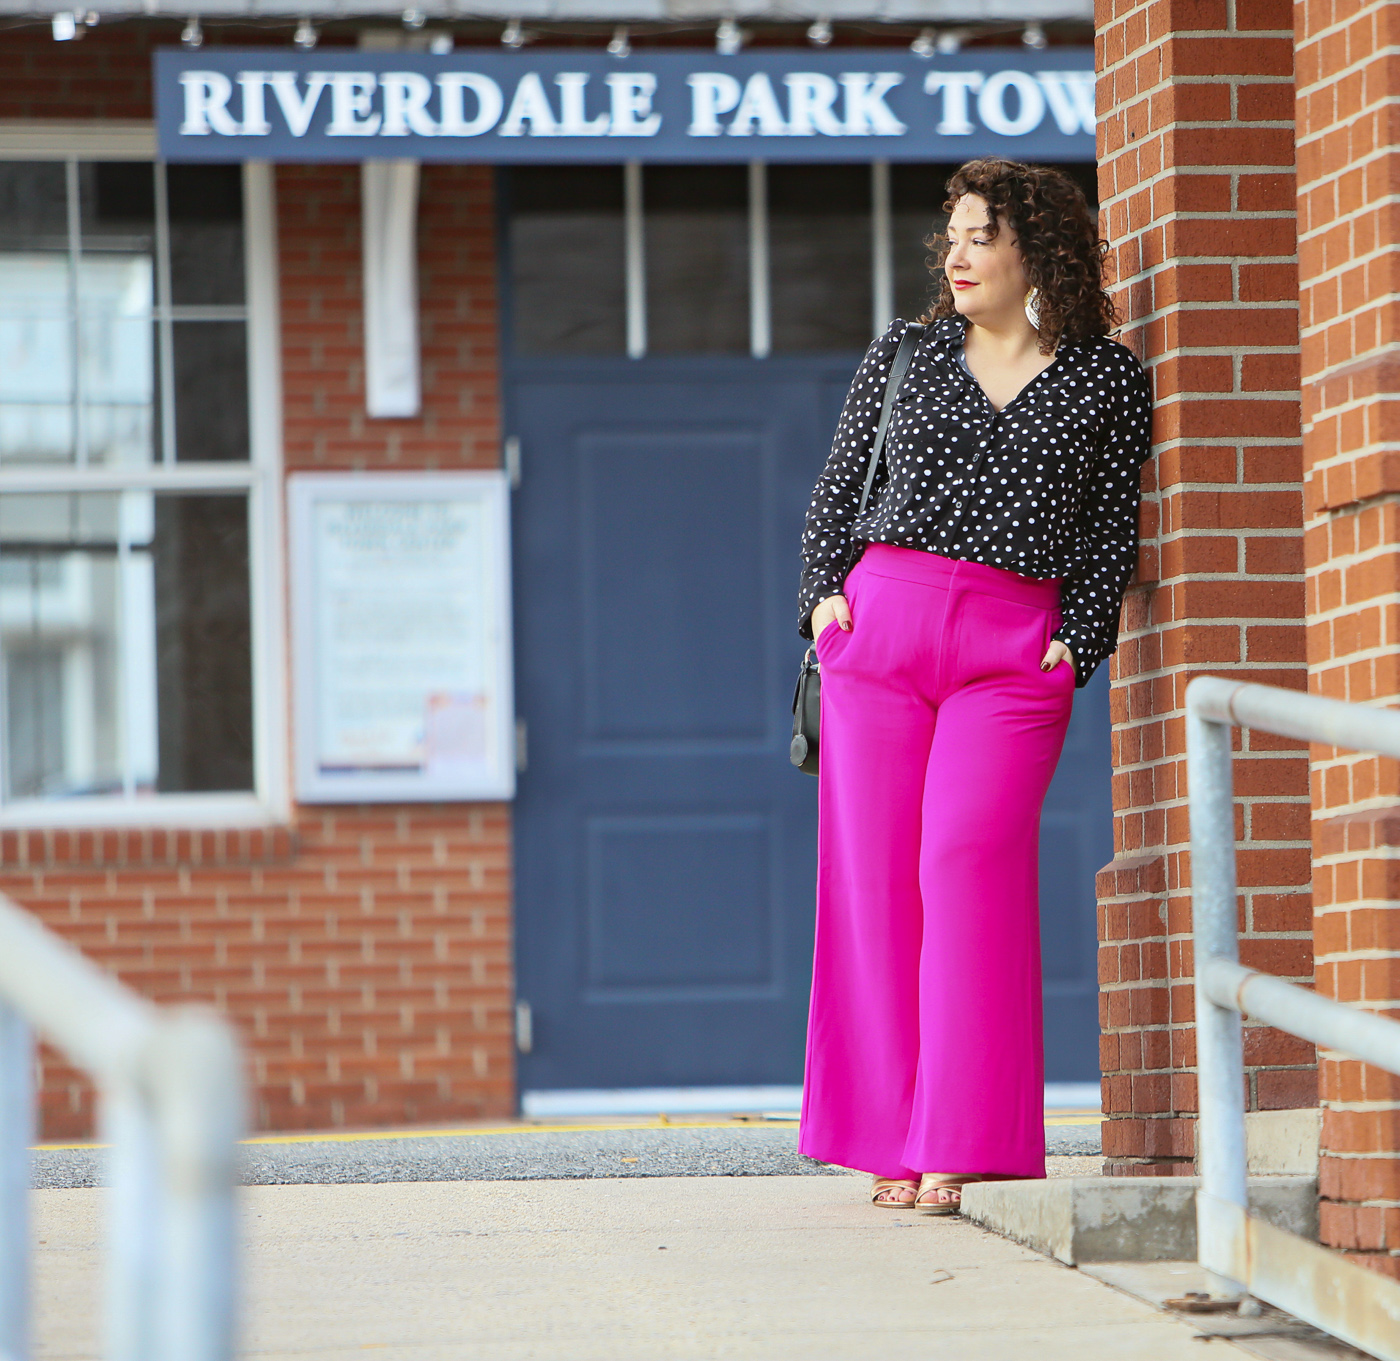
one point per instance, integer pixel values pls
(833, 607)
(1056, 653)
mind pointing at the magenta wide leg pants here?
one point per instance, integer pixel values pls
(940, 734)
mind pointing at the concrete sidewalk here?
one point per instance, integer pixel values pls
(618, 1269)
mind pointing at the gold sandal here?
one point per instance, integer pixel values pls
(933, 1182)
(883, 1185)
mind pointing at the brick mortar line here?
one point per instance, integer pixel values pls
(1356, 68)
(1193, 168)
(1128, 63)
(1143, 276)
(1346, 611)
(1346, 125)
(1348, 318)
(1199, 170)
(1333, 29)
(1358, 507)
(1356, 1107)
(1342, 611)
(1348, 405)
(1225, 215)
(1382, 253)
(1236, 576)
(1192, 304)
(1333, 176)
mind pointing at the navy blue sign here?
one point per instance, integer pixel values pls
(776, 104)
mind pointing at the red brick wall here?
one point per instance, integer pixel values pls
(323, 341)
(364, 953)
(1196, 181)
(1349, 249)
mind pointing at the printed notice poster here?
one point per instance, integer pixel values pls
(402, 635)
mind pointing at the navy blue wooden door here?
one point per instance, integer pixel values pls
(665, 848)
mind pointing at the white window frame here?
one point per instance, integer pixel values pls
(760, 302)
(269, 803)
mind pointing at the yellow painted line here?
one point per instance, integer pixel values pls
(367, 1136)
(391, 1135)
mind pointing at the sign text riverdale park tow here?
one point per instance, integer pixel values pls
(566, 105)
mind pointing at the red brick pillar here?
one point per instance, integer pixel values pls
(1349, 250)
(1195, 106)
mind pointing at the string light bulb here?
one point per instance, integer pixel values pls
(192, 35)
(819, 35)
(65, 26)
(440, 44)
(306, 36)
(620, 44)
(1033, 36)
(513, 36)
(413, 18)
(926, 44)
(949, 42)
(729, 38)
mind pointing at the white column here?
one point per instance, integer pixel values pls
(634, 227)
(16, 1134)
(881, 248)
(760, 310)
(389, 212)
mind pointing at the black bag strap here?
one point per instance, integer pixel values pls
(899, 366)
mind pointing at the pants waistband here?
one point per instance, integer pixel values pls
(931, 569)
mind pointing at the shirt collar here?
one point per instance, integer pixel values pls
(950, 333)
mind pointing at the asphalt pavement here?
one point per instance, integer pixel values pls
(521, 1152)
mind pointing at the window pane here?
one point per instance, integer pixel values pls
(59, 611)
(203, 650)
(917, 193)
(116, 291)
(33, 206)
(124, 641)
(206, 233)
(697, 259)
(566, 260)
(211, 391)
(819, 256)
(36, 330)
(116, 344)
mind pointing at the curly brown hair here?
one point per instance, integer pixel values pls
(1058, 236)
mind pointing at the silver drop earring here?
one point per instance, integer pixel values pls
(1033, 307)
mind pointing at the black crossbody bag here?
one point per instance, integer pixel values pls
(807, 698)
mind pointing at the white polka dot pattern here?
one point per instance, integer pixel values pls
(1047, 487)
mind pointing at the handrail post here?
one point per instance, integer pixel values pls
(135, 1222)
(16, 1131)
(197, 1088)
(1220, 1139)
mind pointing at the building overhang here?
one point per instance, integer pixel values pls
(688, 12)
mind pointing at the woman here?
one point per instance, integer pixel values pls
(989, 569)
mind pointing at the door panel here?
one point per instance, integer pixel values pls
(665, 848)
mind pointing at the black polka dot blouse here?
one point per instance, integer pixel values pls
(1046, 487)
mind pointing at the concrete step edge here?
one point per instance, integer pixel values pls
(1124, 1219)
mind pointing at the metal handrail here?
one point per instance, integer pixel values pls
(1361, 1307)
(172, 1112)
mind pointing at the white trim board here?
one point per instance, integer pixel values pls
(735, 1100)
(110, 139)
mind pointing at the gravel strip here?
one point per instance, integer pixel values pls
(680, 1151)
